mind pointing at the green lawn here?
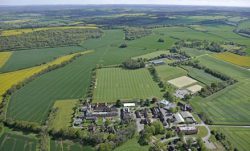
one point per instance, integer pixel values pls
(132, 145)
(202, 131)
(33, 57)
(239, 137)
(201, 76)
(58, 145)
(64, 113)
(117, 83)
(167, 72)
(13, 142)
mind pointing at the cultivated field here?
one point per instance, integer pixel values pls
(14, 142)
(7, 80)
(18, 59)
(117, 83)
(243, 61)
(201, 76)
(29, 30)
(64, 114)
(239, 137)
(228, 106)
(56, 145)
(152, 54)
(195, 52)
(4, 57)
(224, 67)
(167, 72)
(181, 82)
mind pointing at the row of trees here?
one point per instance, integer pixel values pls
(222, 139)
(133, 64)
(48, 38)
(201, 44)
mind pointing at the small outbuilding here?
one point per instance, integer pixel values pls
(188, 130)
(129, 104)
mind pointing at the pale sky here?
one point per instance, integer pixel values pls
(244, 3)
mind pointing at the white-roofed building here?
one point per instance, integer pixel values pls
(178, 118)
(129, 104)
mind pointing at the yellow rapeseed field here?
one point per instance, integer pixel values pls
(7, 80)
(29, 30)
(4, 56)
(243, 61)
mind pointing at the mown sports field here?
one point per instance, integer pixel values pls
(116, 83)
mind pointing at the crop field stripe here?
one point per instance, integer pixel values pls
(4, 57)
(18, 59)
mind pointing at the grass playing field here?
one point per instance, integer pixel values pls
(117, 83)
(4, 57)
(18, 59)
(64, 114)
(14, 142)
(167, 72)
(201, 76)
(239, 137)
(56, 145)
(243, 61)
(7, 80)
(228, 106)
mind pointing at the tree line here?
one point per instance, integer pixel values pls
(132, 33)
(48, 38)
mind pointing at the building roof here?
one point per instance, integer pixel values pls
(187, 128)
(128, 104)
(186, 114)
(157, 61)
(164, 102)
(178, 118)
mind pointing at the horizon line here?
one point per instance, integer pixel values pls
(17, 5)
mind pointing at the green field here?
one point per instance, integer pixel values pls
(201, 76)
(152, 54)
(29, 58)
(224, 67)
(239, 137)
(64, 114)
(56, 145)
(195, 52)
(14, 142)
(117, 83)
(132, 145)
(73, 84)
(167, 72)
(228, 106)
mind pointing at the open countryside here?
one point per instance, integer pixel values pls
(124, 77)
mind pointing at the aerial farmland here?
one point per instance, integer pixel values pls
(124, 78)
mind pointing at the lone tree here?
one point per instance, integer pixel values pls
(118, 103)
(161, 40)
(123, 45)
